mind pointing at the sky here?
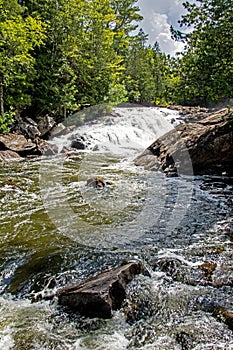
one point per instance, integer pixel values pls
(158, 16)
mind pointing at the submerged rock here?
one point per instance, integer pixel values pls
(102, 294)
(218, 311)
(208, 142)
(185, 340)
(96, 182)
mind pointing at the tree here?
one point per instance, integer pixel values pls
(82, 62)
(18, 38)
(147, 71)
(207, 65)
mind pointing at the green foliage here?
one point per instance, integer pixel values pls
(58, 56)
(18, 38)
(206, 69)
(6, 121)
(81, 62)
(146, 72)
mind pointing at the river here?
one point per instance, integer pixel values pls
(56, 230)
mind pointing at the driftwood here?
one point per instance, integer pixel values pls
(102, 294)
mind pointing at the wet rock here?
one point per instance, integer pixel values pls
(148, 160)
(60, 130)
(185, 340)
(27, 127)
(208, 142)
(218, 311)
(9, 155)
(57, 130)
(14, 145)
(208, 268)
(197, 274)
(78, 143)
(223, 275)
(46, 149)
(190, 114)
(96, 182)
(102, 294)
(45, 125)
(17, 143)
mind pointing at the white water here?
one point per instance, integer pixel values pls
(131, 129)
(137, 221)
(112, 143)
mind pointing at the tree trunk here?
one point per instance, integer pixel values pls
(1, 95)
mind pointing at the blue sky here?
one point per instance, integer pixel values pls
(158, 16)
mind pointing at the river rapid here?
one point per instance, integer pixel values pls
(55, 230)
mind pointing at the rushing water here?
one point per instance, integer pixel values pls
(55, 230)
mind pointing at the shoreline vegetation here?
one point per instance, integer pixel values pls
(59, 57)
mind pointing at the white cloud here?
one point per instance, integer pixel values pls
(158, 16)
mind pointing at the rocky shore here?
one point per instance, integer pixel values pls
(205, 145)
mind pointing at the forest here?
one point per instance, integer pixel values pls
(58, 56)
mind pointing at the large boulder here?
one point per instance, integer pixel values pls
(102, 294)
(17, 143)
(14, 145)
(206, 143)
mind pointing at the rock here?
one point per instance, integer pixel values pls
(218, 311)
(45, 125)
(96, 182)
(207, 141)
(203, 274)
(148, 160)
(185, 340)
(60, 130)
(57, 130)
(208, 268)
(16, 146)
(27, 127)
(17, 143)
(223, 275)
(102, 294)
(78, 143)
(44, 148)
(9, 155)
